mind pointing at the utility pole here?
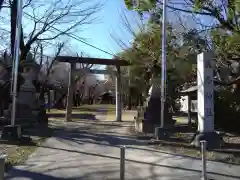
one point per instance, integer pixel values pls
(16, 59)
(13, 131)
(164, 66)
(159, 131)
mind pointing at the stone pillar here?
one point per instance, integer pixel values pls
(68, 116)
(205, 102)
(118, 95)
(205, 93)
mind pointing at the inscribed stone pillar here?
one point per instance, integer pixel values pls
(205, 103)
(205, 93)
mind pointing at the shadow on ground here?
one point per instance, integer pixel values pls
(88, 109)
(20, 173)
(84, 116)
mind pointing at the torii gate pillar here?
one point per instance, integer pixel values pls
(118, 95)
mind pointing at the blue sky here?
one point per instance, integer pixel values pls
(110, 17)
(99, 34)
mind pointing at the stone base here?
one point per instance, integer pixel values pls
(11, 132)
(214, 140)
(153, 113)
(143, 126)
(161, 133)
(4, 121)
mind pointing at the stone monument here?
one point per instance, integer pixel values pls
(205, 100)
(153, 103)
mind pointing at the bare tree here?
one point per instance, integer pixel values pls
(46, 74)
(56, 18)
(46, 71)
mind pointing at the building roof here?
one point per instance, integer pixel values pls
(193, 89)
(189, 90)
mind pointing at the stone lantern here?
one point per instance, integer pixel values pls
(27, 105)
(30, 69)
(27, 94)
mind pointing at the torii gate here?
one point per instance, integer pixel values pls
(101, 61)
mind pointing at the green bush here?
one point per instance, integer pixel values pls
(227, 110)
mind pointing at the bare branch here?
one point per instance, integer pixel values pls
(35, 49)
(65, 14)
(216, 11)
(59, 49)
(27, 3)
(125, 20)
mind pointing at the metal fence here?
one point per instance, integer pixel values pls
(122, 162)
(204, 161)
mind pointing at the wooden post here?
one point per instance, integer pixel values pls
(68, 116)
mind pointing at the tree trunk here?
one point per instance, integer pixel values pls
(1, 3)
(49, 100)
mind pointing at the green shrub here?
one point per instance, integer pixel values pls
(227, 110)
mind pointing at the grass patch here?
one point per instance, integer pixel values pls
(18, 151)
(189, 151)
(88, 109)
(91, 112)
(179, 142)
(180, 119)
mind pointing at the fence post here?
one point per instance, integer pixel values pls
(122, 163)
(204, 164)
(2, 166)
